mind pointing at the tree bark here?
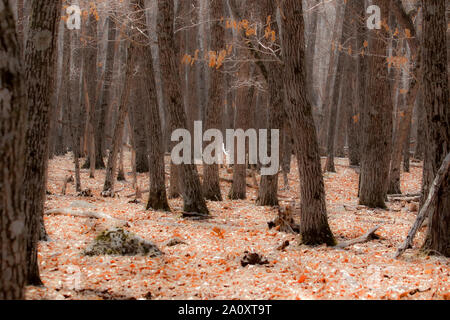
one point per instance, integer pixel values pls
(105, 95)
(13, 111)
(111, 167)
(211, 183)
(188, 176)
(90, 51)
(314, 228)
(39, 61)
(436, 102)
(377, 121)
(268, 188)
(157, 199)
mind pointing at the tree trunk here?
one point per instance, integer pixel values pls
(105, 95)
(349, 93)
(334, 102)
(188, 176)
(90, 50)
(40, 63)
(341, 122)
(377, 122)
(436, 102)
(268, 188)
(211, 183)
(314, 228)
(406, 101)
(243, 112)
(132, 56)
(138, 118)
(74, 104)
(13, 111)
(326, 104)
(157, 199)
(311, 49)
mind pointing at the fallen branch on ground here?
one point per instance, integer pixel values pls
(370, 235)
(405, 197)
(432, 194)
(86, 214)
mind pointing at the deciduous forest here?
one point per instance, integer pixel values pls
(224, 149)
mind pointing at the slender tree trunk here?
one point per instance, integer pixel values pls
(90, 52)
(111, 167)
(407, 149)
(436, 101)
(341, 122)
(105, 98)
(314, 228)
(323, 133)
(74, 104)
(361, 84)
(349, 91)
(13, 112)
(188, 176)
(311, 49)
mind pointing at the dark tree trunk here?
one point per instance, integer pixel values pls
(157, 199)
(286, 154)
(105, 95)
(211, 183)
(90, 50)
(436, 102)
(362, 82)
(40, 63)
(74, 104)
(377, 122)
(138, 119)
(311, 49)
(188, 176)
(419, 152)
(268, 188)
(13, 111)
(407, 150)
(405, 102)
(314, 228)
(243, 113)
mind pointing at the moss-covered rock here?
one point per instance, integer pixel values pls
(119, 242)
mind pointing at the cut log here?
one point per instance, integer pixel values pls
(370, 235)
(432, 194)
(87, 214)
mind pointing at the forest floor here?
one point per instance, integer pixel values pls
(208, 265)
